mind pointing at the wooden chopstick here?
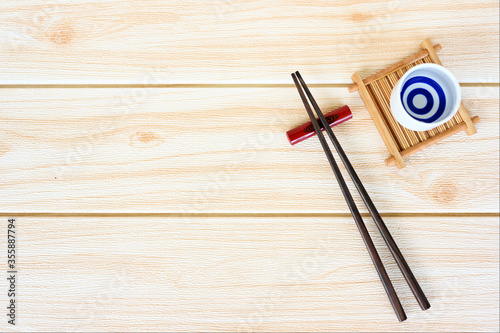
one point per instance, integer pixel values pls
(379, 266)
(396, 253)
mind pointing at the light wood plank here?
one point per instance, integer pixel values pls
(223, 150)
(249, 274)
(229, 41)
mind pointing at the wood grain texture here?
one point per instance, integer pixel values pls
(223, 150)
(250, 274)
(230, 41)
(184, 208)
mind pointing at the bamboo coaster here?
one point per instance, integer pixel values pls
(401, 142)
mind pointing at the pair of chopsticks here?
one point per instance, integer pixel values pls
(396, 253)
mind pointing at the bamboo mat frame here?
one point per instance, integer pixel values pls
(401, 142)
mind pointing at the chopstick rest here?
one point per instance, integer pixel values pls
(304, 131)
(396, 253)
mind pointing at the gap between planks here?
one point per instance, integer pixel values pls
(209, 86)
(240, 215)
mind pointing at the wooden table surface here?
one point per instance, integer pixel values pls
(144, 158)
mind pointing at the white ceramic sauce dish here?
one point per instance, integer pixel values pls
(428, 95)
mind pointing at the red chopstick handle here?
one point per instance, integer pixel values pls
(305, 131)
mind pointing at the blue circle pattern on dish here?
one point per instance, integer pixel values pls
(422, 112)
(428, 96)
